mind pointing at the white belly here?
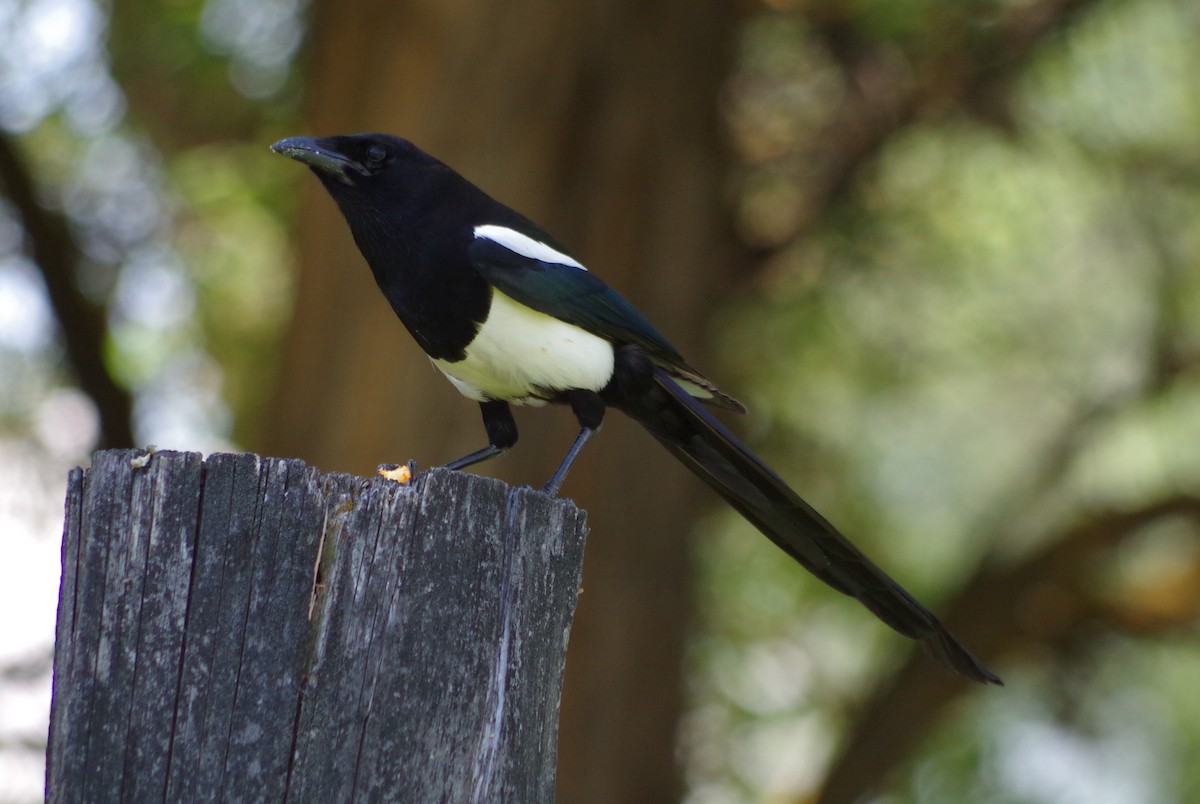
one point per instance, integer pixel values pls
(520, 354)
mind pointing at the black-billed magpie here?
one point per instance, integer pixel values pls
(510, 317)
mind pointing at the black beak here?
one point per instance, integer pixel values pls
(318, 157)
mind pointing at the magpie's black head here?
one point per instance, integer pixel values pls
(359, 161)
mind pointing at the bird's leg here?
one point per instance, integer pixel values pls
(501, 433)
(560, 474)
(589, 411)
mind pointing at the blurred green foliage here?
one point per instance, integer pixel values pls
(991, 336)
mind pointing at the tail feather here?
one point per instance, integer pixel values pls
(762, 497)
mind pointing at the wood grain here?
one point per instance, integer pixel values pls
(246, 628)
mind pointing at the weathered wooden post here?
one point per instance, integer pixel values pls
(249, 629)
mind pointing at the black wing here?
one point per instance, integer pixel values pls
(574, 295)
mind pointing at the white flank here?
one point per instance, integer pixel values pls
(520, 354)
(525, 245)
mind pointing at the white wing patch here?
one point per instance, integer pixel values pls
(525, 245)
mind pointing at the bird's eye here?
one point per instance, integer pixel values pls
(375, 155)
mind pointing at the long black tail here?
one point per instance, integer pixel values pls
(749, 485)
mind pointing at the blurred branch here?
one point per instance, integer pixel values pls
(888, 90)
(1040, 603)
(27, 669)
(82, 323)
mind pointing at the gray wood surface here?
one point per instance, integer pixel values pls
(250, 629)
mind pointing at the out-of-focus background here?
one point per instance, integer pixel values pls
(947, 252)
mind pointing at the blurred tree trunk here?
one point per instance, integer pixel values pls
(598, 119)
